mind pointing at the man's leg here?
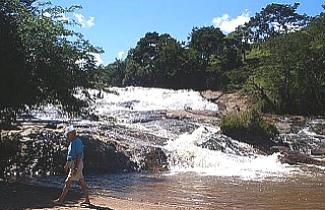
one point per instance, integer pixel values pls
(84, 188)
(65, 191)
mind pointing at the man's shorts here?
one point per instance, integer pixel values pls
(78, 174)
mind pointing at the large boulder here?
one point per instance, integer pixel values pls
(155, 160)
(106, 156)
(39, 151)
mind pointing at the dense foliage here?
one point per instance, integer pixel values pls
(40, 58)
(289, 76)
(159, 60)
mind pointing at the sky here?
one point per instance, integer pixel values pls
(117, 25)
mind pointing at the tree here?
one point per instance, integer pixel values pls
(240, 39)
(159, 58)
(207, 41)
(290, 78)
(275, 19)
(41, 61)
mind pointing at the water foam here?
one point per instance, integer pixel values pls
(149, 99)
(131, 101)
(185, 155)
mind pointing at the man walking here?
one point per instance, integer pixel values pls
(74, 165)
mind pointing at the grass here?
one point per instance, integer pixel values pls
(250, 127)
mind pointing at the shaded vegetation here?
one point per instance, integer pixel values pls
(249, 127)
(8, 150)
(41, 60)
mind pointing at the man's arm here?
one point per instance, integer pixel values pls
(76, 164)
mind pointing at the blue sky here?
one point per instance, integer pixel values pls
(117, 25)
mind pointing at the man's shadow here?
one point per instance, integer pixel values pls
(97, 207)
(22, 196)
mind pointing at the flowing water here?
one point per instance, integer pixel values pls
(206, 169)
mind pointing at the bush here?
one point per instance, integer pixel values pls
(249, 127)
(8, 150)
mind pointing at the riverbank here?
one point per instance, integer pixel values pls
(24, 196)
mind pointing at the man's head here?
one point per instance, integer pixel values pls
(70, 133)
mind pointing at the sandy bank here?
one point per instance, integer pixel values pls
(23, 196)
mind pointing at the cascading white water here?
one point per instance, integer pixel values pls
(136, 99)
(185, 152)
(186, 155)
(150, 99)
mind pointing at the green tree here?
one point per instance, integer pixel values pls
(41, 61)
(207, 41)
(159, 58)
(275, 19)
(290, 77)
(240, 39)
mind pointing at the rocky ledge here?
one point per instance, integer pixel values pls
(36, 150)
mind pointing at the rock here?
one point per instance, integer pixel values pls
(319, 151)
(199, 116)
(227, 101)
(318, 126)
(275, 149)
(155, 160)
(106, 157)
(43, 152)
(51, 125)
(93, 117)
(294, 158)
(223, 143)
(256, 141)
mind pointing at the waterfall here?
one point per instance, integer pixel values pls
(186, 154)
(140, 119)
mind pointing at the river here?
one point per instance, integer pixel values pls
(206, 170)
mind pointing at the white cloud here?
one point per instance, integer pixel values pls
(121, 55)
(98, 58)
(59, 17)
(227, 25)
(47, 14)
(84, 23)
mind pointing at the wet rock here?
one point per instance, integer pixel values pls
(294, 158)
(93, 117)
(106, 157)
(194, 115)
(276, 149)
(319, 151)
(228, 145)
(212, 144)
(317, 126)
(155, 160)
(129, 104)
(256, 141)
(42, 152)
(301, 142)
(51, 125)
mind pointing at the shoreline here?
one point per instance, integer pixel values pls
(26, 196)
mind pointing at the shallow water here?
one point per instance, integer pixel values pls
(210, 192)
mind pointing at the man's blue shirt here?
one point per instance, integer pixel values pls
(75, 147)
